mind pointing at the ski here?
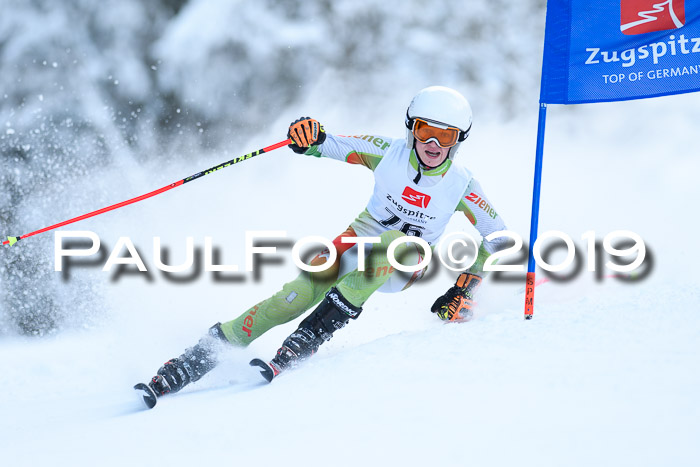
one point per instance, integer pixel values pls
(267, 370)
(149, 395)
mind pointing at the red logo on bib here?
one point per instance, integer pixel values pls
(642, 16)
(415, 198)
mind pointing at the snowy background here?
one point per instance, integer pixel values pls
(103, 101)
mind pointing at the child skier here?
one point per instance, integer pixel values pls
(418, 186)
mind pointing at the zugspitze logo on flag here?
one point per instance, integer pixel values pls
(415, 198)
(642, 16)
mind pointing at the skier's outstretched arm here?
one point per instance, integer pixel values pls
(310, 138)
(484, 217)
(456, 303)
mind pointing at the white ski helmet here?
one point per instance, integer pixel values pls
(443, 107)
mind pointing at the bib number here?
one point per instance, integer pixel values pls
(407, 228)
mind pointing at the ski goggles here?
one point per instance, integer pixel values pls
(445, 137)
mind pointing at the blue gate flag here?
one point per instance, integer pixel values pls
(611, 50)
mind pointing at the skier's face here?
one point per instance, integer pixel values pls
(431, 154)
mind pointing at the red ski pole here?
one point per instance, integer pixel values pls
(235, 160)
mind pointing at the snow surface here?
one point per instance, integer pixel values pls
(605, 374)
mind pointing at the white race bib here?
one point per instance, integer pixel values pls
(399, 204)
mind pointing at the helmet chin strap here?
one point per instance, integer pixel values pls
(423, 164)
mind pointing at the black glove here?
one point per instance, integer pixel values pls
(304, 133)
(456, 304)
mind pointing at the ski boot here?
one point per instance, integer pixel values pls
(189, 367)
(333, 313)
(457, 303)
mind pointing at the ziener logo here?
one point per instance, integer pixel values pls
(642, 16)
(415, 198)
